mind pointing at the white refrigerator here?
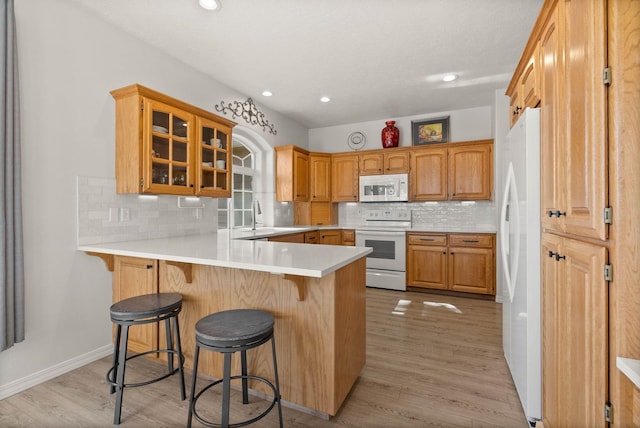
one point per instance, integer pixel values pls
(519, 235)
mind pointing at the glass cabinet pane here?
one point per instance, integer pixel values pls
(179, 176)
(160, 173)
(180, 151)
(160, 122)
(179, 128)
(160, 147)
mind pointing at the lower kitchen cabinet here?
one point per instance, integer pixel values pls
(427, 260)
(330, 237)
(132, 277)
(456, 262)
(349, 237)
(298, 238)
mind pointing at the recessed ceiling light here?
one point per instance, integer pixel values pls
(210, 4)
(325, 99)
(267, 93)
(449, 77)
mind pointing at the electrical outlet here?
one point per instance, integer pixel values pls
(125, 214)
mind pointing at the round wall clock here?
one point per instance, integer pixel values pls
(356, 140)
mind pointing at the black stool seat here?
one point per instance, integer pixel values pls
(236, 327)
(228, 332)
(144, 309)
(140, 308)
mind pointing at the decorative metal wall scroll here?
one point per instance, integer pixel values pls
(249, 112)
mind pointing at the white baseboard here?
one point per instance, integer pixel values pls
(37, 378)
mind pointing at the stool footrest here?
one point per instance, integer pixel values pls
(276, 398)
(111, 373)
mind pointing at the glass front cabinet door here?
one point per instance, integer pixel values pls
(166, 146)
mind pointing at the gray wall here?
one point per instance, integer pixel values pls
(69, 60)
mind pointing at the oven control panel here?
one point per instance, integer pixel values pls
(387, 215)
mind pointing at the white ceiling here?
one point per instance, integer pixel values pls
(376, 59)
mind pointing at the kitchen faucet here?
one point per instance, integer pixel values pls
(256, 207)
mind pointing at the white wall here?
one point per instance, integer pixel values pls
(464, 125)
(69, 60)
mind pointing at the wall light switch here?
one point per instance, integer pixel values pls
(113, 215)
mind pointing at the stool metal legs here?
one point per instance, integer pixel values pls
(226, 387)
(116, 375)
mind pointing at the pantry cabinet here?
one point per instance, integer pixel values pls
(455, 262)
(457, 171)
(571, 40)
(344, 177)
(574, 332)
(132, 277)
(166, 146)
(292, 174)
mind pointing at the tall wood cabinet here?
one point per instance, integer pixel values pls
(166, 146)
(571, 38)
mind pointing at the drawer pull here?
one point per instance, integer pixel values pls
(427, 239)
(470, 240)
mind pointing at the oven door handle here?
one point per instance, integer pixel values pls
(380, 233)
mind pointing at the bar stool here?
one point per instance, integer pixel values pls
(145, 309)
(228, 332)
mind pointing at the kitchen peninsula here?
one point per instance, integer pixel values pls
(316, 293)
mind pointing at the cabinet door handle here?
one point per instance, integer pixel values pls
(149, 266)
(558, 257)
(559, 213)
(551, 253)
(444, 252)
(470, 240)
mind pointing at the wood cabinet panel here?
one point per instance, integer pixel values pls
(330, 237)
(132, 277)
(396, 162)
(471, 172)
(292, 174)
(371, 163)
(471, 270)
(583, 169)
(311, 237)
(348, 237)
(427, 266)
(320, 177)
(575, 333)
(429, 174)
(344, 178)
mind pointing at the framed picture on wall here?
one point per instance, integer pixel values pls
(430, 131)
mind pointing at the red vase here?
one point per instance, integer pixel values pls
(390, 135)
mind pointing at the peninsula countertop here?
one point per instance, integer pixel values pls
(221, 249)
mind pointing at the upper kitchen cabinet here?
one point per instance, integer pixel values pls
(385, 161)
(471, 171)
(456, 171)
(574, 147)
(292, 174)
(429, 174)
(344, 177)
(524, 90)
(320, 177)
(166, 146)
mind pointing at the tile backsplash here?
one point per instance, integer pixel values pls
(105, 216)
(437, 214)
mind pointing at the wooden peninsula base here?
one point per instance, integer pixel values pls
(319, 329)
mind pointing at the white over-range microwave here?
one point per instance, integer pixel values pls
(384, 188)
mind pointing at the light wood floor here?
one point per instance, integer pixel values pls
(432, 361)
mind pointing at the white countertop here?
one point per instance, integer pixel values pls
(631, 368)
(222, 250)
